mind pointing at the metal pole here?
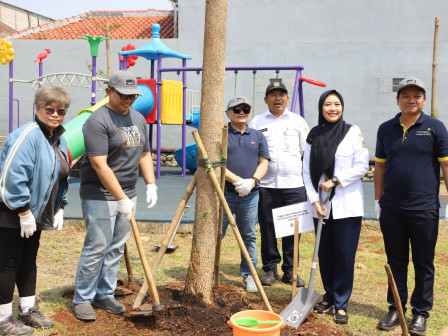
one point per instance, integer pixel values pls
(11, 71)
(159, 112)
(40, 73)
(92, 102)
(184, 124)
(302, 108)
(294, 95)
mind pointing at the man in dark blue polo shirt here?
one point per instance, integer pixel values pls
(410, 150)
(247, 163)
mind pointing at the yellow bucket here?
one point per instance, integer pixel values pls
(262, 329)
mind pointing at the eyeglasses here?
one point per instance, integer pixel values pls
(245, 109)
(50, 111)
(123, 96)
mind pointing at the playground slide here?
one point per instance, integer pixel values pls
(73, 130)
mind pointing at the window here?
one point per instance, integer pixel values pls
(395, 82)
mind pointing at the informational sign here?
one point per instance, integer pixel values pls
(284, 218)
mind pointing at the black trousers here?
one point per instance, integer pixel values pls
(17, 264)
(271, 198)
(420, 229)
(337, 250)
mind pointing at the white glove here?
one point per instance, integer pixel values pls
(126, 207)
(27, 225)
(377, 210)
(246, 186)
(58, 219)
(446, 215)
(151, 195)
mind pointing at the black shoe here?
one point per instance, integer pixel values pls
(323, 307)
(418, 325)
(269, 278)
(287, 279)
(340, 318)
(390, 321)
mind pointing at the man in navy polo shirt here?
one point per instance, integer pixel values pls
(247, 163)
(410, 150)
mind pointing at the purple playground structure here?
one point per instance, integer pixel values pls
(151, 107)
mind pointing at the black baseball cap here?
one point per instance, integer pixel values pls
(276, 85)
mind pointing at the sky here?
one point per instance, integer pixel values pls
(61, 9)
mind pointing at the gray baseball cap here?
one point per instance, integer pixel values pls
(124, 82)
(237, 100)
(411, 81)
(276, 85)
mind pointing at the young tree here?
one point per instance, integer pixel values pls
(198, 286)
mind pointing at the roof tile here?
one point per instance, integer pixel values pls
(123, 25)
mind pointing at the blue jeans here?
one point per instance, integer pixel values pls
(245, 213)
(107, 232)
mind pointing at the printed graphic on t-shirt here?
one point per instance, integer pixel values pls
(131, 136)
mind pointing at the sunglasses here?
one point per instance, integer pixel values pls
(123, 96)
(51, 111)
(245, 109)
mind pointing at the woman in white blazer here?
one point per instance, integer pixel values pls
(336, 157)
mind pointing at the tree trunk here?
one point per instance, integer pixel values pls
(198, 286)
(434, 112)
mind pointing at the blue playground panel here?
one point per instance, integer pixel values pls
(191, 149)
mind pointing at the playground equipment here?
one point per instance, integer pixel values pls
(163, 101)
(155, 49)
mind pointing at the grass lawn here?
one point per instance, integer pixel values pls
(60, 250)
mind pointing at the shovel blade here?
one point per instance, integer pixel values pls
(298, 309)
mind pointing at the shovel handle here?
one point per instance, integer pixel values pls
(316, 245)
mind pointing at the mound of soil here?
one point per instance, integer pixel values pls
(177, 318)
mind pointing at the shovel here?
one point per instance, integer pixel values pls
(296, 312)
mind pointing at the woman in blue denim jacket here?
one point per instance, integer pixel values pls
(34, 169)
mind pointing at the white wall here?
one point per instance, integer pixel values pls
(355, 46)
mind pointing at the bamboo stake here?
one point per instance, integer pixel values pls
(224, 142)
(164, 245)
(232, 222)
(295, 259)
(434, 70)
(148, 275)
(393, 286)
(128, 264)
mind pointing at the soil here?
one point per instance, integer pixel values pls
(177, 318)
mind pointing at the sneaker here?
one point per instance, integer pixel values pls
(287, 279)
(11, 326)
(249, 284)
(110, 305)
(84, 311)
(34, 318)
(269, 278)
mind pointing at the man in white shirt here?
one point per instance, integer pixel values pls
(282, 185)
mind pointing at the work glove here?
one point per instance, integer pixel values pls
(245, 186)
(377, 210)
(58, 219)
(27, 225)
(151, 195)
(126, 208)
(446, 215)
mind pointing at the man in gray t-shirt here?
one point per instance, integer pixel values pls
(117, 145)
(123, 139)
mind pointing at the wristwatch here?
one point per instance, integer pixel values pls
(335, 180)
(257, 182)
